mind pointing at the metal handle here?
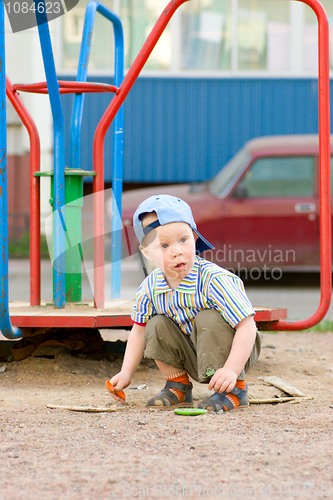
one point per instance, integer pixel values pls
(305, 208)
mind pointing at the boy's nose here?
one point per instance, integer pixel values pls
(176, 250)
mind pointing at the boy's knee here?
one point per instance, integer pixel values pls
(207, 317)
(157, 322)
(160, 326)
(210, 319)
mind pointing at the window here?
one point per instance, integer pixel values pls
(102, 47)
(220, 184)
(138, 18)
(285, 177)
(263, 35)
(225, 36)
(206, 35)
(311, 36)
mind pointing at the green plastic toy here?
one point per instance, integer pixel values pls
(190, 411)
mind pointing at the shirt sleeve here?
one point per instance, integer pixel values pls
(229, 297)
(143, 309)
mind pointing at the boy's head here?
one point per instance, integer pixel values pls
(168, 236)
(164, 209)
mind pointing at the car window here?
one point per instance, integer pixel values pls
(280, 177)
(219, 185)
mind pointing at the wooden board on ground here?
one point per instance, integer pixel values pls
(283, 386)
(254, 401)
(90, 409)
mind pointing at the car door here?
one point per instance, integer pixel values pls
(271, 217)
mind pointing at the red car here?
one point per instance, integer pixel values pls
(261, 210)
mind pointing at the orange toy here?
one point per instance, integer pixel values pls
(110, 387)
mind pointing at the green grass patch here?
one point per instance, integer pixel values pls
(323, 327)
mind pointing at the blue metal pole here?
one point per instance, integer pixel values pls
(59, 248)
(118, 129)
(82, 72)
(117, 170)
(9, 331)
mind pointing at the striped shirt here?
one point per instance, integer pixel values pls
(207, 286)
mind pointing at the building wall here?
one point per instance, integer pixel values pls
(186, 129)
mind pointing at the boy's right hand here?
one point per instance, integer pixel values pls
(120, 382)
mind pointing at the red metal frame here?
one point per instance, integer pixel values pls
(66, 87)
(98, 144)
(28, 122)
(324, 176)
(324, 158)
(34, 191)
(98, 184)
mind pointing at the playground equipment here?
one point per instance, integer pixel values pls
(67, 185)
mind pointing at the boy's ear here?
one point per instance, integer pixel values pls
(145, 252)
(195, 236)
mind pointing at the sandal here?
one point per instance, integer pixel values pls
(167, 400)
(223, 402)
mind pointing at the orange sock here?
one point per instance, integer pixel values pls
(181, 377)
(241, 384)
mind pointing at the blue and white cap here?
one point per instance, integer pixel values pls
(168, 209)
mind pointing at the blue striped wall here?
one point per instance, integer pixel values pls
(180, 130)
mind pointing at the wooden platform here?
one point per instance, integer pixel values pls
(117, 314)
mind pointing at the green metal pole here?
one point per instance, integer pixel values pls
(72, 226)
(74, 204)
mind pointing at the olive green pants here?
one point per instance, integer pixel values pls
(200, 354)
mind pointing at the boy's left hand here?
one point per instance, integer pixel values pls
(224, 379)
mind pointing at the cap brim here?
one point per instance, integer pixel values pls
(202, 244)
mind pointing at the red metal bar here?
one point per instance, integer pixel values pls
(324, 176)
(66, 87)
(98, 144)
(34, 192)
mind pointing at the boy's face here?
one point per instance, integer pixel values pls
(172, 248)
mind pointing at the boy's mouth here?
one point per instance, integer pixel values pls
(180, 265)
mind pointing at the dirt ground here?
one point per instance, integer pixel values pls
(281, 450)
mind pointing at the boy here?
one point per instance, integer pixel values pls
(191, 316)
